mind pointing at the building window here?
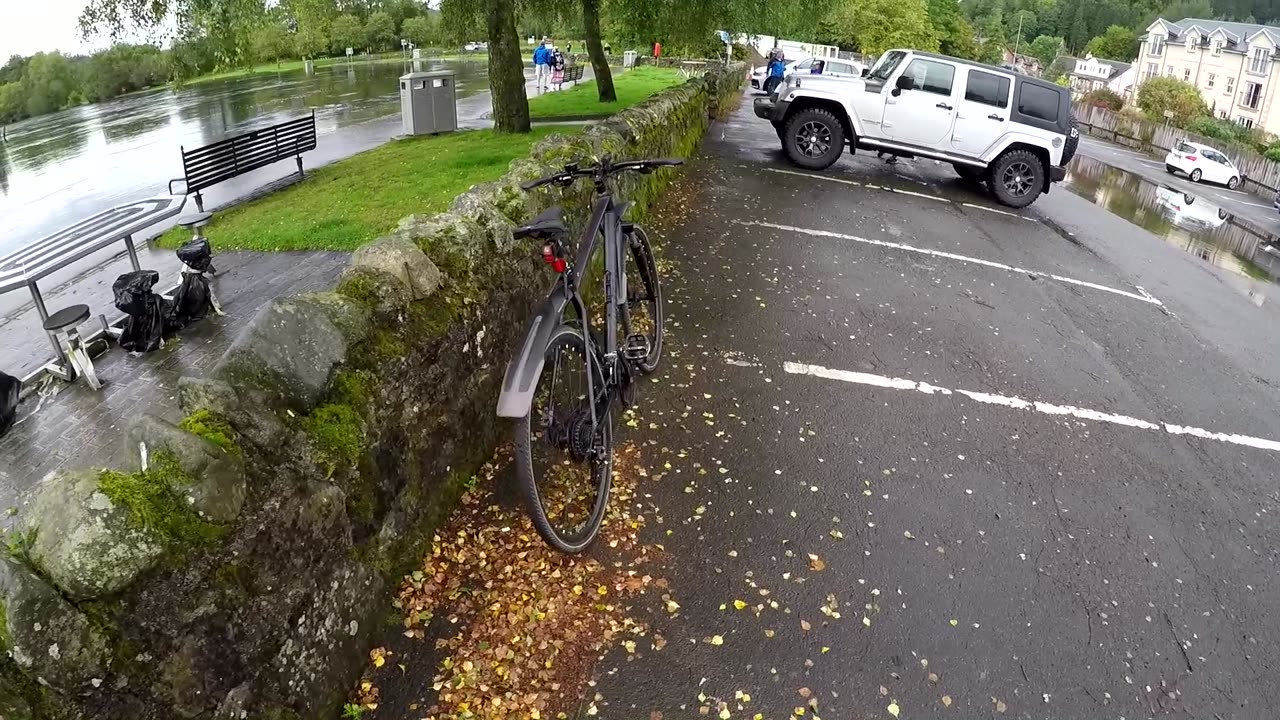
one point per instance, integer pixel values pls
(1222, 114)
(1191, 43)
(1211, 79)
(1252, 95)
(1186, 75)
(1157, 45)
(1217, 48)
(1260, 61)
(1244, 122)
(1231, 86)
(1168, 70)
(1152, 71)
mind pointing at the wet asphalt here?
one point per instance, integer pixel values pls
(975, 557)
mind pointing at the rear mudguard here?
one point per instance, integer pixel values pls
(524, 368)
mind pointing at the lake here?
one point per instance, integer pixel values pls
(59, 168)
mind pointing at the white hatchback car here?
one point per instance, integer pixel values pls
(1201, 162)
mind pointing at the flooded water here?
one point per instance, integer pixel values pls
(59, 168)
(1185, 221)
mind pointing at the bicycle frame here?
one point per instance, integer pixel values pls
(522, 373)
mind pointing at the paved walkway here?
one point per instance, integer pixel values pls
(81, 428)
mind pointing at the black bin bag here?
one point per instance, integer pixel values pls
(145, 327)
(193, 300)
(10, 387)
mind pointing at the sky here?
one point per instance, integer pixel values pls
(31, 26)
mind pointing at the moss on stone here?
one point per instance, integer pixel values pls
(386, 345)
(359, 287)
(5, 640)
(354, 388)
(154, 502)
(213, 428)
(337, 433)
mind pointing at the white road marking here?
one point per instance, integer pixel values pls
(1143, 297)
(871, 186)
(1017, 403)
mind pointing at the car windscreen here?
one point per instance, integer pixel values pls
(887, 65)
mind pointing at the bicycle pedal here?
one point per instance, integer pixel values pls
(637, 348)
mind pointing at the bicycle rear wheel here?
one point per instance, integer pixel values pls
(644, 297)
(563, 463)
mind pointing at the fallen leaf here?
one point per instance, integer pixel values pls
(1000, 706)
(816, 563)
(739, 604)
(946, 701)
(893, 709)
(805, 692)
(804, 625)
(716, 640)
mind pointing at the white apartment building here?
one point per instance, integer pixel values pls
(1092, 73)
(1232, 64)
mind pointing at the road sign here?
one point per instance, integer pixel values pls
(1168, 114)
(350, 52)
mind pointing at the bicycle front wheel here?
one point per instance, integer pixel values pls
(563, 460)
(644, 297)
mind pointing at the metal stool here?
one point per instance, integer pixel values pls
(196, 222)
(75, 356)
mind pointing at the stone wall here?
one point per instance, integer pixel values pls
(239, 568)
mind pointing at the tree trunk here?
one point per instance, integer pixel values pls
(506, 70)
(599, 61)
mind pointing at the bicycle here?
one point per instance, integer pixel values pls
(566, 440)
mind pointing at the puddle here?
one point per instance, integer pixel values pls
(1191, 223)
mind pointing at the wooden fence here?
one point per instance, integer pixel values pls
(1261, 176)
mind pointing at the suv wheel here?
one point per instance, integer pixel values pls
(814, 139)
(970, 173)
(1016, 178)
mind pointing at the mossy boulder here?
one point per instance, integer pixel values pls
(386, 295)
(13, 706)
(289, 352)
(85, 542)
(398, 257)
(452, 241)
(481, 204)
(245, 409)
(46, 636)
(212, 481)
(351, 318)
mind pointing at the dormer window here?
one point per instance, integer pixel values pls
(1157, 44)
(1217, 48)
(1192, 41)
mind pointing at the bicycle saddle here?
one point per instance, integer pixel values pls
(547, 226)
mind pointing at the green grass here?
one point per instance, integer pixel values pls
(350, 202)
(631, 87)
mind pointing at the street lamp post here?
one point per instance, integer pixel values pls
(404, 49)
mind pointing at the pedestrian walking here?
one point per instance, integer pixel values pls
(542, 64)
(557, 68)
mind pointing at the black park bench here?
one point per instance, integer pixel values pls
(207, 166)
(573, 73)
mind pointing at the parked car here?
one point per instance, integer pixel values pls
(1012, 131)
(834, 67)
(1201, 162)
(1188, 211)
(475, 46)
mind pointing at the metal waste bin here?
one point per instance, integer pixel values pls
(629, 58)
(428, 103)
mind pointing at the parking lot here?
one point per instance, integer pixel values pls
(918, 455)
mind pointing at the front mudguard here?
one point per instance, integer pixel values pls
(524, 369)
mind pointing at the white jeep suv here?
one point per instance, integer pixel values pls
(1014, 132)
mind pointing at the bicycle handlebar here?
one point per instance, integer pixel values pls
(599, 172)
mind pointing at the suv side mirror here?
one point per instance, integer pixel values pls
(904, 82)
(866, 71)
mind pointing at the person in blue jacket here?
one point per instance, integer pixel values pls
(777, 68)
(542, 64)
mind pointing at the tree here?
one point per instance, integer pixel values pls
(1161, 94)
(1104, 98)
(345, 32)
(380, 31)
(225, 26)
(49, 83)
(1117, 43)
(873, 26)
(1045, 49)
(311, 20)
(419, 30)
(271, 41)
(506, 69)
(595, 49)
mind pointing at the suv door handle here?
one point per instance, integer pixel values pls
(944, 106)
(994, 116)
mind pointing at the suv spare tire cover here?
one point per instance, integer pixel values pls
(1073, 139)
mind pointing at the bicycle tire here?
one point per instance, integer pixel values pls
(586, 532)
(646, 266)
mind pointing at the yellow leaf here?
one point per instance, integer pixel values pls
(804, 625)
(739, 604)
(866, 621)
(893, 709)
(946, 701)
(379, 661)
(602, 590)
(816, 563)
(954, 622)
(717, 640)
(577, 589)
(724, 714)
